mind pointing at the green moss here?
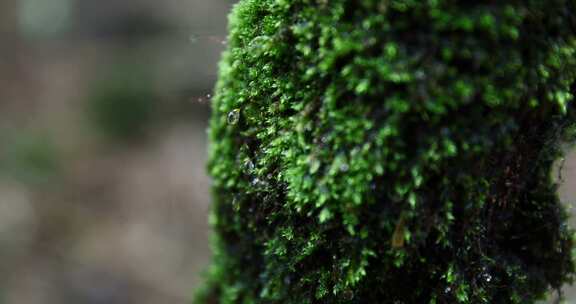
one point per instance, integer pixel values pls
(29, 158)
(391, 152)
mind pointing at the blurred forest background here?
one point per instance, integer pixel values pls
(103, 114)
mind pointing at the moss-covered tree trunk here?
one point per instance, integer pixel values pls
(391, 151)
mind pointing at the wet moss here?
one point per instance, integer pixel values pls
(391, 151)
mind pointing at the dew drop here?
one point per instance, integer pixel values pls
(233, 117)
(487, 277)
(249, 165)
(259, 183)
(256, 182)
(259, 45)
(235, 204)
(314, 165)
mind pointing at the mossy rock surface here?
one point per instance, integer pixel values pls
(389, 151)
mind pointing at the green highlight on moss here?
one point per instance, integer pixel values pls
(392, 151)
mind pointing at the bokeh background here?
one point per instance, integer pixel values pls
(103, 115)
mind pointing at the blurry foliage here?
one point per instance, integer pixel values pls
(29, 158)
(44, 19)
(121, 103)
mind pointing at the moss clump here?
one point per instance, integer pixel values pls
(391, 151)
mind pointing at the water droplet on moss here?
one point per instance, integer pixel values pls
(486, 276)
(235, 204)
(249, 165)
(257, 182)
(314, 165)
(233, 117)
(259, 45)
